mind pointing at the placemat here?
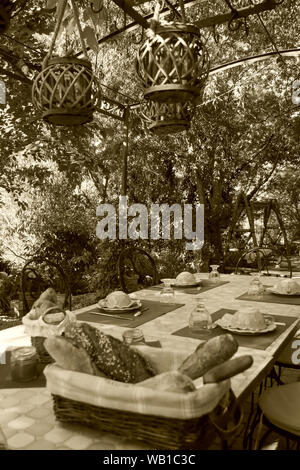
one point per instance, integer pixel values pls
(272, 298)
(155, 309)
(206, 285)
(7, 382)
(256, 342)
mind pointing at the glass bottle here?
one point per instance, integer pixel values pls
(200, 319)
(214, 274)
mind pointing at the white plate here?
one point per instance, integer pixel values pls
(272, 291)
(194, 284)
(271, 327)
(134, 305)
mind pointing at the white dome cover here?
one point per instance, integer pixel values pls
(118, 299)
(185, 278)
(248, 319)
(287, 286)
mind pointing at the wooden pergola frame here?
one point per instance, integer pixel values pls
(117, 110)
(138, 20)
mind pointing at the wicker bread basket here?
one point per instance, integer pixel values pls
(164, 420)
(38, 331)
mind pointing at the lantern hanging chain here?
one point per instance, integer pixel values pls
(76, 16)
(269, 36)
(55, 34)
(181, 3)
(158, 7)
(155, 19)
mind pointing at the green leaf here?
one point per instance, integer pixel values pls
(89, 35)
(51, 4)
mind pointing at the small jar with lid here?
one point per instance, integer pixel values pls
(23, 364)
(135, 336)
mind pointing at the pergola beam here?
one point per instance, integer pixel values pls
(126, 5)
(252, 59)
(241, 13)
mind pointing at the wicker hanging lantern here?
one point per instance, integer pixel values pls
(173, 62)
(66, 90)
(167, 118)
(5, 13)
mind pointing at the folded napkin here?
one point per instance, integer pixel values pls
(38, 327)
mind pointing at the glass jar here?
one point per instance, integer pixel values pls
(23, 364)
(200, 319)
(214, 274)
(135, 336)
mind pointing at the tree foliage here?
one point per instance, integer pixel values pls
(244, 136)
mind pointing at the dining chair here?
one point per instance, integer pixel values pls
(37, 275)
(136, 270)
(278, 409)
(285, 360)
(262, 259)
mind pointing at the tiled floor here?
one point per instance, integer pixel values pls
(28, 423)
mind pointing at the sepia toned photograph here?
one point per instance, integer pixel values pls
(150, 228)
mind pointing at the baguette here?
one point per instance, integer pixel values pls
(172, 381)
(207, 355)
(228, 369)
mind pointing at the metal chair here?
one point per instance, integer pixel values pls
(285, 360)
(279, 410)
(136, 270)
(37, 275)
(264, 259)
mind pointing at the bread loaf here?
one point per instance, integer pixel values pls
(110, 355)
(228, 369)
(208, 355)
(172, 381)
(69, 357)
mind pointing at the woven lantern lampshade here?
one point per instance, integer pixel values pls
(5, 14)
(173, 64)
(66, 91)
(167, 118)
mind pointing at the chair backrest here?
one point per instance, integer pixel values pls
(37, 275)
(263, 259)
(136, 270)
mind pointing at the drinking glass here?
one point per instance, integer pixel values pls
(214, 274)
(256, 288)
(200, 319)
(167, 292)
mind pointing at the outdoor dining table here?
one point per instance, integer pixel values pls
(26, 414)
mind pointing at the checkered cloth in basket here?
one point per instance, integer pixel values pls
(135, 398)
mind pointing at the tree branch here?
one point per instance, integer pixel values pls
(263, 180)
